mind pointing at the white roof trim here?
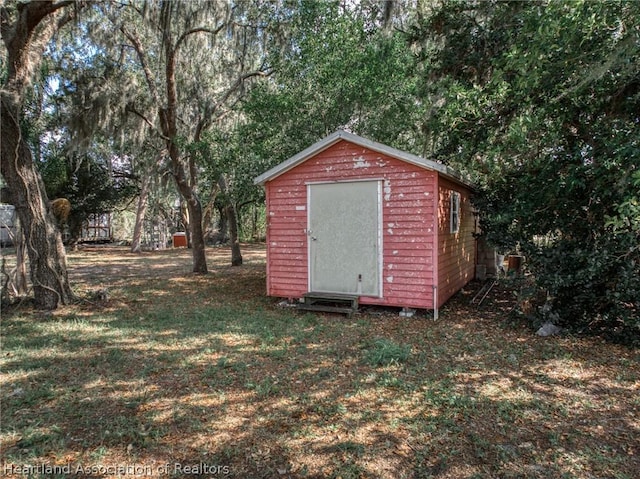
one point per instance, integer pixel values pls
(358, 140)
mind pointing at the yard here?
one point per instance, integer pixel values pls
(181, 375)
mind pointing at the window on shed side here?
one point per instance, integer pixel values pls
(454, 209)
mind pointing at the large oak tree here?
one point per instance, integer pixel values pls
(539, 101)
(26, 29)
(181, 67)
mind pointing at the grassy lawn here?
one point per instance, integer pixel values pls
(180, 375)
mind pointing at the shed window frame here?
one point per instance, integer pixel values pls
(454, 212)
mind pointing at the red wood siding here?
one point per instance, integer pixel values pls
(408, 223)
(456, 251)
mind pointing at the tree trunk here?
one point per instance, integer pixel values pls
(232, 218)
(25, 35)
(223, 224)
(254, 222)
(75, 232)
(195, 233)
(136, 243)
(186, 185)
(184, 222)
(208, 213)
(44, 244)
(236, 254)
(197, 236)
(21, 262)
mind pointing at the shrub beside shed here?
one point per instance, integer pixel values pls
(352, 216)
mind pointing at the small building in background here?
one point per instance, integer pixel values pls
(352, 216)
(96, 229)
(8, 220)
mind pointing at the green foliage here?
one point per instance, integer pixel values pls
(89, 184)
(539, 103)
(385, 352)
(339, 69)
(536, 101)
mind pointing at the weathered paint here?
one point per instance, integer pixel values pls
(456, 251)
(409, 217)
(418, 250)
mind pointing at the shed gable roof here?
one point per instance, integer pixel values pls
(365, 143)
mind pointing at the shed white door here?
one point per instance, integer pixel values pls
(345, 237)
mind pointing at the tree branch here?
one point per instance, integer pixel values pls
(183, 37)
(594, 73)
(71, 15)
(27, 33)
(147, 121)
(241, 79)
(35, 12)
(5, 25)
(200, 126)
(148, 74)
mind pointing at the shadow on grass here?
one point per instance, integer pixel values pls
(205, 372)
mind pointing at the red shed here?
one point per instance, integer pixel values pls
(352, 216)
